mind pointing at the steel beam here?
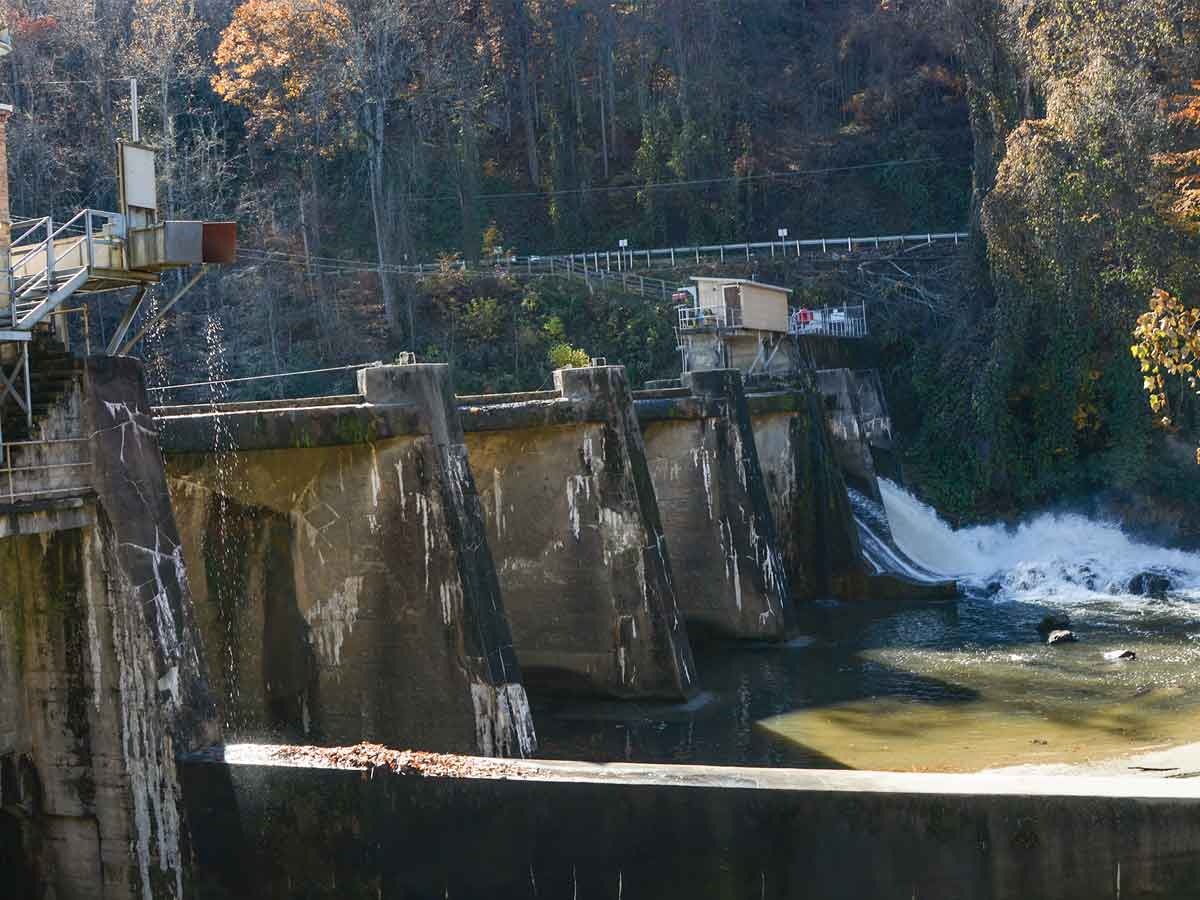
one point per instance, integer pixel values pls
(126, 320)
(158, 317)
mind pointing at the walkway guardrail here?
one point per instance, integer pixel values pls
(839, 322)
(26, 475)
(692, 318)
(607, 264)
(632, 259)
(49, 261)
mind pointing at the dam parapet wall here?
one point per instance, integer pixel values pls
(565, 829)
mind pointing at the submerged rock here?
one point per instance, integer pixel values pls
(1053, 622)
(1114, 655)
(1149, 584)
(1061, 636)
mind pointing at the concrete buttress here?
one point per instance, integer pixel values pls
(101, 677)
(345, 585)
(818, 538)
(729, 573)
(574, 522)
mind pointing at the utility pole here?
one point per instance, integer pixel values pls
(136, 133)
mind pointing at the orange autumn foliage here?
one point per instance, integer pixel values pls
(286, 62)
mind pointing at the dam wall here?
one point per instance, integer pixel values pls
(573, 520)
(575, 830)
(818, 540)
(729, 574)
(101, 679)
(342, 578)
(844, 408)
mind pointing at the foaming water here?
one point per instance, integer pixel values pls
(1052, 556)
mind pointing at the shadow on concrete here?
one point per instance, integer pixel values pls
(212, 810)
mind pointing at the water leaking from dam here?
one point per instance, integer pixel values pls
(959, 687)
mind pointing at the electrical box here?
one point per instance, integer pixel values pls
(166, 245)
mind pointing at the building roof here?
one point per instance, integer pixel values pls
(761, 284)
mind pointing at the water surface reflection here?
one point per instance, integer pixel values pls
(958, 687)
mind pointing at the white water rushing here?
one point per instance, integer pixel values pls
(1068, 557)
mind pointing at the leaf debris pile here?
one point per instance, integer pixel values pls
(370, 756)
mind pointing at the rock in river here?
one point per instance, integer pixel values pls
(1061, 636)
(1149, 584)
(1114, 655)
(1053, 622)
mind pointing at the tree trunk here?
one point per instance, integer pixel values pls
(527, 116)
(383, 225)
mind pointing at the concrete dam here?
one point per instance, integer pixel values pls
(398, 565)
(364, 563)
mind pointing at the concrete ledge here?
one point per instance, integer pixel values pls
(521, 414)
(750, 777)
(661, 831)
(44, 516)
(662, 392)
(187, 409)
(761, 404)
(286, 427)
(664, 407)
(516, 397)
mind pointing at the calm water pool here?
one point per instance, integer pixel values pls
(959, 687)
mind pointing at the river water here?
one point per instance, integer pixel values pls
(957, 687)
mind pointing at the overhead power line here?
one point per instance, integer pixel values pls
(695, 182)
(124, 79)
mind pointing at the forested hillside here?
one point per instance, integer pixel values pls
(405, 130)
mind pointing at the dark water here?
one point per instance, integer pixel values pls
(956, 687)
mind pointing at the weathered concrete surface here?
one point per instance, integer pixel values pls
(573, 520)
(585, 831)
(807, 494)
(817, 533)
(851, 426)
(101, 680)
(729, 574)
(343, 581)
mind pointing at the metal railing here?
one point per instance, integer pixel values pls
(839, 322)
(45, 256)
(630, 259)
(606, 264)
(42, 480)
(692, 318)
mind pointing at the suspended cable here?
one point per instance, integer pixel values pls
(174, 387)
